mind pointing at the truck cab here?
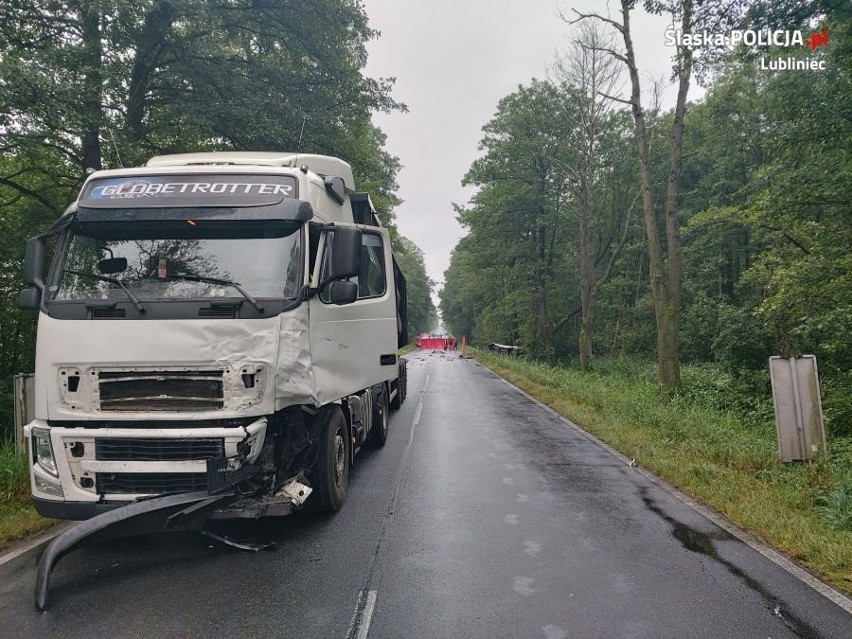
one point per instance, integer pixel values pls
(212, 319)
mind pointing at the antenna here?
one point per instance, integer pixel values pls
(115, 146)
(304, 119)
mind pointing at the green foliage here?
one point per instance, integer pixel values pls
(86, 84)
(514, 278)
(188, 75)
(765, 194)
(835, 507)
(836, 384)
(422, 315)
(17, 516)
(14, 472)
(834, 504)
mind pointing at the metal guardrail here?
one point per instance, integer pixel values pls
(24, 390)
(798, 408)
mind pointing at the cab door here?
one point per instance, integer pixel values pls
(354, 345)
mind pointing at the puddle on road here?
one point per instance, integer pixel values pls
(693, 540)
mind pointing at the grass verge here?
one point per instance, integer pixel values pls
(18, 519)
(726, 460)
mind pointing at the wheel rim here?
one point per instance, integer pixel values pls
(339, 457)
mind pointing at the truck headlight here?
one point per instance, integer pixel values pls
(43, 450)
(48, 487)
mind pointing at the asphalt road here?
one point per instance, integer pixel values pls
(483, 516)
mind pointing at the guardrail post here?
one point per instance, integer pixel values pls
(24, 397)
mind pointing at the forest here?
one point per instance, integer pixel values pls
(715, 233)
(89, 85)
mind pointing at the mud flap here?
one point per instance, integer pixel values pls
(181, 512)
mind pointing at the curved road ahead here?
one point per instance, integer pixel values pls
(483, 516)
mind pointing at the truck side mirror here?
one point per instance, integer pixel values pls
(343, 292)
(30, 299)
(34, 261)
(112, 265)
(345, 253)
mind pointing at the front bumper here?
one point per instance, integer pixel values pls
(76, 510)
(93, 482)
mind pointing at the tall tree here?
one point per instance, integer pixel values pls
(520, 209)
(119, 81)
(665, 259)
(589, 76)
(422, 316)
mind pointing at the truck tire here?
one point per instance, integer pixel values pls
(331, 474)
(381, 417)
(401, 387)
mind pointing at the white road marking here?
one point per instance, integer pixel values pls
(508, 481)
(512, 520)
(522, 498)
(30, 544)
(554, 632)
(359, 627)
(532, 548)
(523, 586)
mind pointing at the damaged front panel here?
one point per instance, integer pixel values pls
(182, 394)
(187, 370)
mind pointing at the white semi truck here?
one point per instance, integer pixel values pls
(212, 323)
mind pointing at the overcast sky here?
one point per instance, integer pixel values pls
(453, 61)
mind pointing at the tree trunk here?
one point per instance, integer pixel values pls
(668, 352)
(149, 49)
(92, 97)
(588, 283)
(666, 279)
(592, 76)
(540, 284)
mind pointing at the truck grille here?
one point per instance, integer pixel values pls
(149, 483)
(161, 390)
(126, 449)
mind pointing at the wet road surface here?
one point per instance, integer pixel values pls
(483, 516)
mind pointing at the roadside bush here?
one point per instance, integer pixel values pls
(835, 507)
(14, 473)
(836, 386)
(742, 341)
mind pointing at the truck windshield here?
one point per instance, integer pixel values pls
(181, 259)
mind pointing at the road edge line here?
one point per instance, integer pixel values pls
(19, 549)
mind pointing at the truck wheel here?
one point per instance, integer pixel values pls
(401, 384)
(396, 402)
(379, 428)
(331, 474)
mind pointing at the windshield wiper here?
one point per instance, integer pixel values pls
(111, 280)
(215, 280)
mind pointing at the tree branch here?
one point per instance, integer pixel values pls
(612, 97)
(29, 193)
(615, 54)
(621, 243)
(786, 236)
(583, 16)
